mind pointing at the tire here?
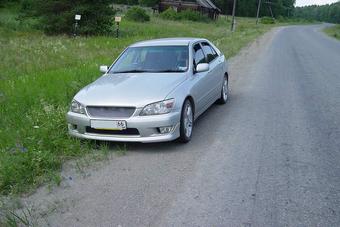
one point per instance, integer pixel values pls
(187, 122)
(224, 91)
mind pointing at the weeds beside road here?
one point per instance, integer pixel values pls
(333, 31)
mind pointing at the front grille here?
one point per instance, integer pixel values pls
(110, 112)
(128, 131)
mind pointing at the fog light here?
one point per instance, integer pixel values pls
(165, 130)
(73, 127)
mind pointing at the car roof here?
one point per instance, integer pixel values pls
(167, 41)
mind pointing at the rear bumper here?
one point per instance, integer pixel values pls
(147, 127)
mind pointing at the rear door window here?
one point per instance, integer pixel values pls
(209, 52)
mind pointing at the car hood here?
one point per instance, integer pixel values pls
(129, 89)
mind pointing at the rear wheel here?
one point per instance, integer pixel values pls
(224, 91)
(187, 122)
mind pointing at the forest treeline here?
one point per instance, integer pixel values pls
(328, 13)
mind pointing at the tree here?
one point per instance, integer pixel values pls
(328, 13)
(149, 3)
(57, 16)
(224, 5)
(126, 2)
(248, 8)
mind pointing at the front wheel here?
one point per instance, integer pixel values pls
(224, 92)
(187, 122)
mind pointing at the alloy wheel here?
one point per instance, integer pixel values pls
(188, 120)
(225, 89)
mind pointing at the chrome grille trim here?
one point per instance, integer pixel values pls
(110, 111)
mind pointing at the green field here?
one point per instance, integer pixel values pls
(333, 31)
(40, 74)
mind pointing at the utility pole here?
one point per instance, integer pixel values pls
(233, 19)
(258, 12)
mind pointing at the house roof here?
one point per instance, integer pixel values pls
(204, 3)
(207, 4)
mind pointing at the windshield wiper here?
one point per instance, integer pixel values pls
(132, 71)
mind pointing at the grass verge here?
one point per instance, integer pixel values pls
(40, 74)
(333, 31)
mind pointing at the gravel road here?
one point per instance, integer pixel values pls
(270, 157)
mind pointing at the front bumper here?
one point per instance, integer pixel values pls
(147, 127)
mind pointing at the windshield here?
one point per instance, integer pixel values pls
(153, 59)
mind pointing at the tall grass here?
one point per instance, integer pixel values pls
(333, 31)
(39, 75)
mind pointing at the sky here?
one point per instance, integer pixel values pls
(313, 2)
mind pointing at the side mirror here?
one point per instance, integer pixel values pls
(103, 68)
(202, 67)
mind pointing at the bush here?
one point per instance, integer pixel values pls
(57, 16)
(137, 14)
(281, 19)
(171, 14)
(267, 20)
(28, 8)
(192, 15)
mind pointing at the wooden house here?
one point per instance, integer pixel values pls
(203, 6)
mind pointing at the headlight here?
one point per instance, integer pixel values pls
(76, 107)
(157, 108)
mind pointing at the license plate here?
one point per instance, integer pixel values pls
(108, 125)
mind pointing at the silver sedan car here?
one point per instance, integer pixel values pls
(153, 92)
